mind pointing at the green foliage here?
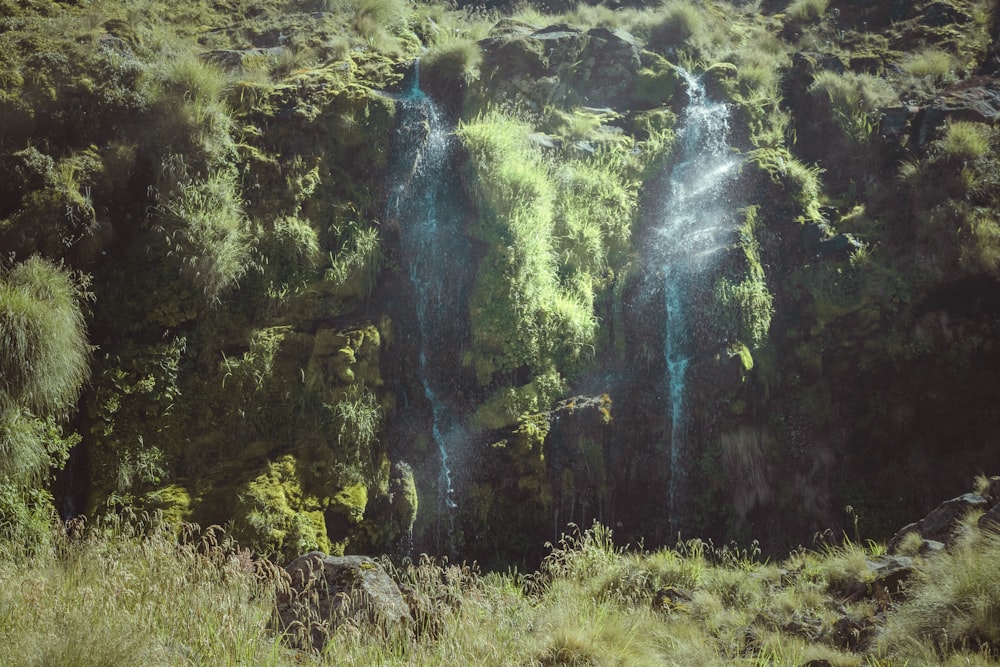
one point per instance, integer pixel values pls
(356, 264)
(44, 353)
(26, 517)
(192, 119)
(538, 320)
(682, 22)
(806, 11)
(746, 308)
(952, 605)
(452, 59)
(133, 421)
(113, 594)
(981, 243)
(964, 141)
(31, 446)
(358, 418)
(743, 305)
(203, 232)
(591, 602)
(855, 100)
(798, 181)
(656, 84)
(931, 64)
(275, 516)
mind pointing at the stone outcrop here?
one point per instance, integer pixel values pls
(944, 523)
(545, 66)
(326, 592)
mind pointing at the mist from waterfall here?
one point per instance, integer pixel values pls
(436, 255)
(694, 228)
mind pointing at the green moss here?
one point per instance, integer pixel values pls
(351, 502)
(276, 517)
(172, 502)
(800, 184)
(340, 358)
(742, 352)
(656, 83)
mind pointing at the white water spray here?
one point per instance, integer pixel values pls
(435, 248)
(695, 228)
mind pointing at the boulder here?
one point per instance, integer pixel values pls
(943, 522)
(327, 591)
(976, 99)
(991, 520)
(608, 68)
(559, 65)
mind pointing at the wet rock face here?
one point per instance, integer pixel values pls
(327, 591)
(559, 65)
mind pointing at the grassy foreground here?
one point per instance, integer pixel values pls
(131, 594)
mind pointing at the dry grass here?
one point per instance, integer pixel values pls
(137, 594)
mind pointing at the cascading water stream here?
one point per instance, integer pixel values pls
(436, 253)
(695, 227)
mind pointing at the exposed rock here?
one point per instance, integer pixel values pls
(976, 99)
(853, 635)
(818, 239)
(235, 59)
(325, 591)
(545, 66)
(991, 519)
(671, 599)
(890, 574)
(942, 524)
(941, 14)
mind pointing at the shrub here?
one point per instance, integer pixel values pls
(981, 243)
(544, 319)
(43, 345)
(952, 604)
(934, 64)
(358, 260)
(964, 141)
(680, 23)
(450, 60)
(806, 11)
(204, 233)
(291, 253)
(855, 100)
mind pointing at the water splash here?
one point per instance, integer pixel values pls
(689, 239)
(436, 253)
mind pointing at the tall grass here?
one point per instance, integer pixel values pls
(855, 100)
(137, 593)
(43, 340)
(205, 232)
(119, 595)
(954, 604)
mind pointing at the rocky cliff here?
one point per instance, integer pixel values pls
(220, 184)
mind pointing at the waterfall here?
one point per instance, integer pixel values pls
(689, 238)
(436, 254)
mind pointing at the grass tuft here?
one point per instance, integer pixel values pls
(44, 353)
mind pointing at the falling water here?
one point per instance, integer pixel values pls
(436, 253)
(695, 227)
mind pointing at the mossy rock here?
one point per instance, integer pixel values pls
(655, 83)
(351, 502)
(341, 358)
(275, 516)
